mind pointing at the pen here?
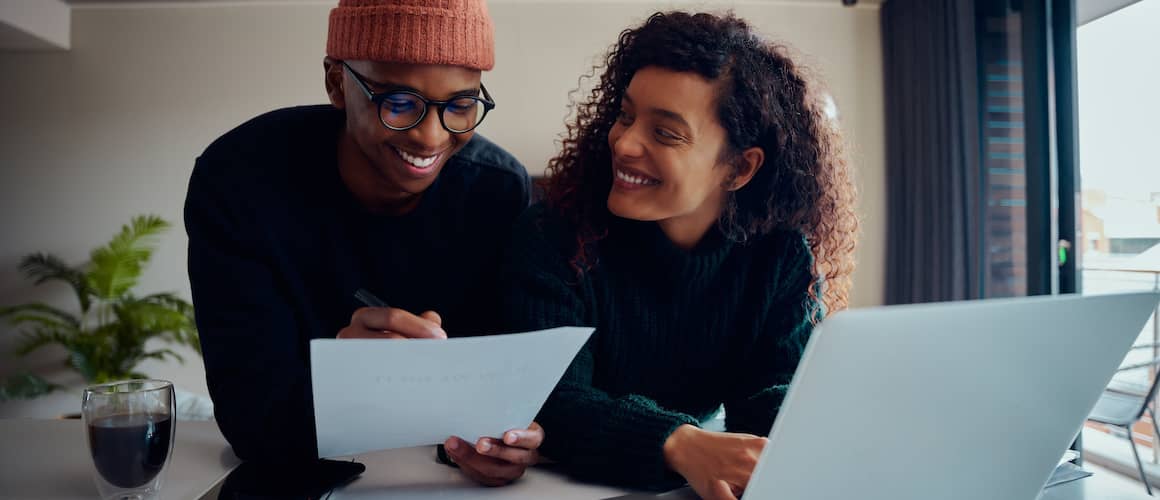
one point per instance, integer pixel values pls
(369, 298)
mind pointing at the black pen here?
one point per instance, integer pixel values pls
(369, 298)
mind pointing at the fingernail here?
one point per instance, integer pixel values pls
(484, 446)
(511, 438)
(453, 444)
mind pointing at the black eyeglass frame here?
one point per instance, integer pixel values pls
(380, 98)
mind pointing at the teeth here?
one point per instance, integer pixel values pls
(417, 161)
(633, 179)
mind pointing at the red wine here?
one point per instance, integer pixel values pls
(129, 450)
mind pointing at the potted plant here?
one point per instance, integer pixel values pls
(105, 341)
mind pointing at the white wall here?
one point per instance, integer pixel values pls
(110, 128)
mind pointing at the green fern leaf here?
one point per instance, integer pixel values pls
(40, 337)
(44, 322)
(172, 315)
(41, 314)
(80, 362)
(115, 268)
(42, 267)
(25, 386)
(160, 355)
(172, 301)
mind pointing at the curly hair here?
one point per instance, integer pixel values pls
(765, 100)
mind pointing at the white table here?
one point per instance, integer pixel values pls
(42, 459)
(412, 473)
(50, 459)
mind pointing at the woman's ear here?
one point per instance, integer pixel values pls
(749, 162)
(332, 77)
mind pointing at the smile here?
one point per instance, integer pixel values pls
(635, 178)
(417, 161)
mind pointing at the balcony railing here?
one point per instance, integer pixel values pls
(1138, 369)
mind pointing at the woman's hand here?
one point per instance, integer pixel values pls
(494, 462)
(717, 465)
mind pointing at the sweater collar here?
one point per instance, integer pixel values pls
(646, 245)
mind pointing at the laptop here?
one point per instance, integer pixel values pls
(952, 401)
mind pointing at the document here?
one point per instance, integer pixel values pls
(372, 394)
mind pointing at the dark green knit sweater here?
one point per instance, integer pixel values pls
(678, 333)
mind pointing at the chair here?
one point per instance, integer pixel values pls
(1123, 404)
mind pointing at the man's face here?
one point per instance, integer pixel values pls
(398, 164)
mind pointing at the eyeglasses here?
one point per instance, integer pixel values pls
(403, 109)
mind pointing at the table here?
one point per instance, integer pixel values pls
(49, 459)
(414, 474)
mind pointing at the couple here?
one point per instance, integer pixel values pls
(699, 215)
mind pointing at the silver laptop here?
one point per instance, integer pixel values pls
(963, 400)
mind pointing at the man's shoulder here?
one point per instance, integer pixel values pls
(277, 132)
(271, 155)
(485, 176)
(488, 158)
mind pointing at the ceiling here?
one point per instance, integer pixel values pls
(115, 2)
(44, 25)
(1089, 10)
(110, 2)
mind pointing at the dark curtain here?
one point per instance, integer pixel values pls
(933, 175)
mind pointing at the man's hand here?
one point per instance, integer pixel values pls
(717, 465)
(492, 462)
(393, 323)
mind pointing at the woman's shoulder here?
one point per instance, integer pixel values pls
(784, 245)
(785, 254)
(542, 230)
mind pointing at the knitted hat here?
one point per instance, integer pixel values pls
(452, 32)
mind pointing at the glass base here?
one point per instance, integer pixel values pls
(147, 491)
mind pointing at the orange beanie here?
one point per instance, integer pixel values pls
(452, 32)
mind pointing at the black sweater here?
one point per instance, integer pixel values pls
(278, 245)
(678, 333)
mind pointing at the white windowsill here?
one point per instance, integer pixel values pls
(1112, 452)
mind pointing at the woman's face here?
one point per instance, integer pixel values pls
(667, 146)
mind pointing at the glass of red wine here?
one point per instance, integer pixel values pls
(130, 429)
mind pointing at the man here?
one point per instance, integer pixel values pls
(387, 188)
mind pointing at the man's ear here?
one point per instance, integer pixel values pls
(332, 77)
(749, 163)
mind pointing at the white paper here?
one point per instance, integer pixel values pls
(372, 394)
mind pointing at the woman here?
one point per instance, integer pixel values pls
(700, 216)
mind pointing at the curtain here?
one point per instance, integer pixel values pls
(934, 197)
